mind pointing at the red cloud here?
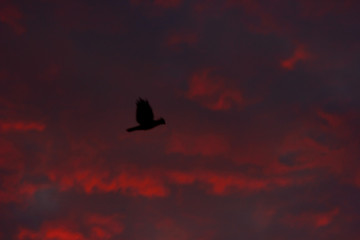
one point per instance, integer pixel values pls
(50, 73)
(336, 150)
(299, 54)
(319, 9)
(12, 186)
(58, 233)
(169, 229)
(201, 85)
(82, 16)
(263, 215)
(182, 38)
(104, 227)
(26, 234)
(21, 126)
(332, 119)
(206, 145)
(9, 162)
(311, 154)
(92, 227)
(16, 190)
(315, 220)
(265, 21)
(145, 184)
(211, 92)
(11, 15)
(62, 234)
(168, 3)
(226, 182)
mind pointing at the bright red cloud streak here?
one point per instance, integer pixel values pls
(96, 227)
(91, 181)
(21, 126)
(50, 234)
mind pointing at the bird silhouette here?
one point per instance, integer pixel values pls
(145, 116)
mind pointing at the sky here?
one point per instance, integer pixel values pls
(262, 108)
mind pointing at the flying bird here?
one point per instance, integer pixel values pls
(145, 116)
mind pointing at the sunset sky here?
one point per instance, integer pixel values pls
(262, 106)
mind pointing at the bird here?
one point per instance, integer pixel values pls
(145, 116)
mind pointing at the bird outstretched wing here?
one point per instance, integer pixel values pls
(144, 113)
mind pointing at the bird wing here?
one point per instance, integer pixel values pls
(144, 113)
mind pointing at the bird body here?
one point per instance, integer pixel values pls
(145, 117)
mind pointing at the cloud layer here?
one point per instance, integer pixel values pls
(261, 106)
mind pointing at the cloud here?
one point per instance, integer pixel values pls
(21, 126)
(62, 234)
(260, 100)
(259, 15)
(299, 55)
(11, 15)
(318, 9)
(96, 227)
(104, 227)
(311, 219)
(51, 73)
(211, 92)
(169, 229)
(13, 186)
(179, 38)
(168, 3)
(223, 183)
(82, 16)
(128, 183)
(205, 144)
